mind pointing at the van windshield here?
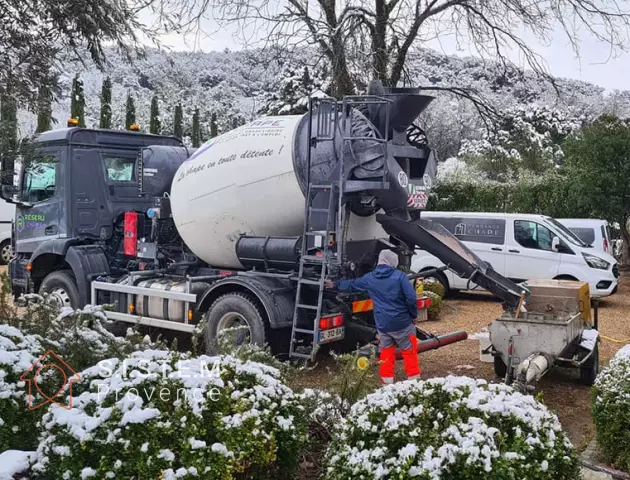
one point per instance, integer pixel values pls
(568, 234)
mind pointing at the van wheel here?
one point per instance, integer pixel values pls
(238, 311)
(566, 277)
(441, 278)
(5, 252)
(61, 286)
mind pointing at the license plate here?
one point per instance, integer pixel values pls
(327, 336)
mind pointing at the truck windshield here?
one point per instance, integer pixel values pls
(568, 234)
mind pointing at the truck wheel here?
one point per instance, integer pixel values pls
(235, 310)
(5, 252)
(500, 368)
(589, 371)
(62, 286)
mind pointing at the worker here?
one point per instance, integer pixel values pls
(395, 310)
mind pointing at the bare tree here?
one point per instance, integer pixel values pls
(373, 38)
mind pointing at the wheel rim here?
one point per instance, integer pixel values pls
(60, 295)
(235, 320)
(5, 253)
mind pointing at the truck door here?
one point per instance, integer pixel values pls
(41, 187)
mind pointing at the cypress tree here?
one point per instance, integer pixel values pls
(77, 104)
(154, 125)
(106, 104)
(44, 110)
(130, 116)
(196, 129)
(8, 133)
(213, 126)
(178, 121)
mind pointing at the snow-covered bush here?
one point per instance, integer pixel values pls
(17, 423)
(453, 427)
(159, 414)
(611, 410)
(437, 303)
(432, 285)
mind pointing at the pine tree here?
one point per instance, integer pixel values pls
(196, 129)
(154, 125)
(213, 125)
(106, 104)
(178, 121)
(77, 103)
(130, 116)
(44, 110)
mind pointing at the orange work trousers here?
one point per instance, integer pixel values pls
(407, 341)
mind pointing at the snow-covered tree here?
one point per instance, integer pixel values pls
(295, 86)
(130, 112)
(154, 124)
(77, 101)
(106, 104)
(213, 125)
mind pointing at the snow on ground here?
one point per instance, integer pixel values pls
(14, 461)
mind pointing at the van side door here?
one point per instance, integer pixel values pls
(529, 254)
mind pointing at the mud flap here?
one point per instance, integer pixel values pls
(435, 239)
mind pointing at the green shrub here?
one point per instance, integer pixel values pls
(433, 312)
(160, 414)
(432, 285)
(17, 423)
(450, 428)
(611, 410)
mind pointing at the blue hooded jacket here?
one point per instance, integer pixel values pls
(391, 292)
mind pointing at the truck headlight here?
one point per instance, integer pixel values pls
(594, 261)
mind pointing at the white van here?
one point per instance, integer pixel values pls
(522, 247)
(592, 232)
(7, 214)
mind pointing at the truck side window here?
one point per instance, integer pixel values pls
(40, 179)
(120, 169)
(532, 235)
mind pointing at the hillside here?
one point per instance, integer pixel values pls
(234, 85)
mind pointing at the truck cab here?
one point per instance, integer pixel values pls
(74, 187)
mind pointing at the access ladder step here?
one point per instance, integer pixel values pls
(301, 355)
(313, 259)
(306, 307)
(321, 186)
(303, 330)
(318, 210)
(306, 281)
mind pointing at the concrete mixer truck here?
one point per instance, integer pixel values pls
(243, 231)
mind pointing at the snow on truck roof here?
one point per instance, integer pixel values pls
(90, 136)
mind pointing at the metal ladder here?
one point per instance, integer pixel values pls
(313, 269)
(326, 128)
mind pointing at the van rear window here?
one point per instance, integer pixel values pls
(587, 235)
(478, 230)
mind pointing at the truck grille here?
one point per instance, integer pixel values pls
(615, 270)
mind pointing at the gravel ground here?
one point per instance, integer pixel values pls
(560, 390)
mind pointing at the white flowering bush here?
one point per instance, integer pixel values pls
(17, 423)
(450, 428)
(611, 410)
(162, 415)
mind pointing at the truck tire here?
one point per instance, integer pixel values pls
(62, 286)
(233, 310)
(5, 252)
(500, 368)
(589, 371)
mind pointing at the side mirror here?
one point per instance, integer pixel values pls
(555, 244)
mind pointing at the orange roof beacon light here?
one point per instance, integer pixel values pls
(73, 122)
(134, 127)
